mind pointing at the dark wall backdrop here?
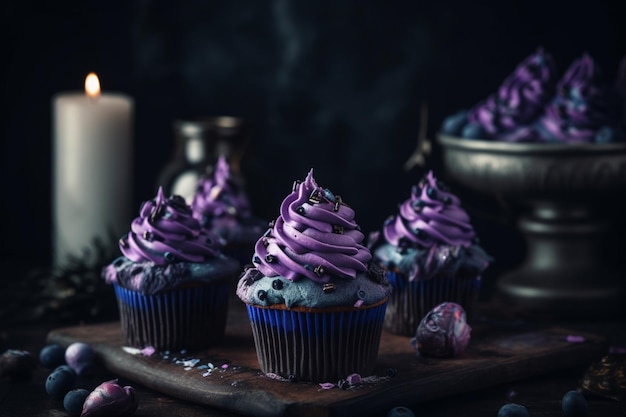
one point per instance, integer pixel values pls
(326, 84)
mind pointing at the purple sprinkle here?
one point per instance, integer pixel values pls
(225, 366)
(327, 385)
(354, 379)
(148, 351)
(574, 339)
(358, 303)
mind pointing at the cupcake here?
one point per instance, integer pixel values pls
(510, 113)
(430, 253)
(533, 105)
(221, 205)
(584, 109)
(315, 301)
(172, 282)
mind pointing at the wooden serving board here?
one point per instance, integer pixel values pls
(498, 353)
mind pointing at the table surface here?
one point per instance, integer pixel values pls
(541, 395)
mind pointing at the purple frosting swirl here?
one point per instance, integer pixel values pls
(519, 101)
(315, 237)
(166, 232)
(581, 107)
(220, 195)
(432, 215)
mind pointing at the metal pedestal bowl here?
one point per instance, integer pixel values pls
(568, 193)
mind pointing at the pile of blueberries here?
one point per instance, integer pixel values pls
(67, 364)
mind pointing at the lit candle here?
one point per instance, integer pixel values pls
(92, 166)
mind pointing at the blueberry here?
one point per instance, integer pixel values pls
(606, 135)
(574, 404)
(18, 365)
(74, 400)
(473, 131)
(400, 412)
(513, 410)
(80, 357)
(52, 356)
(60, 382)
(453, 125)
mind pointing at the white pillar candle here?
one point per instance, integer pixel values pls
(92, 166)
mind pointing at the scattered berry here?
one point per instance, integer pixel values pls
(400, 412)
(473, 131)
(80, 357)
(18, 365)
(453, 125)
(60, 382)
(574, 404)
(52, 356)
(110, 399)
(513, 410)
(74, 400)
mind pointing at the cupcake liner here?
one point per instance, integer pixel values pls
(317, 346)
(186, 318)
(409, 302)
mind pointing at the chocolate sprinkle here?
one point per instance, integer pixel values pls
(337, 229)
(376, 273)
(314, 198)
(319, 270)
(329, 287)
(337, 204)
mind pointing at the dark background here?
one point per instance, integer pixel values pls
(326, 84)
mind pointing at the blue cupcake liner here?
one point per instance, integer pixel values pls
(186, 318)
(317, 346)
(411, 301)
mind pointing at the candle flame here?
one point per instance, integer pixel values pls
(92, 85)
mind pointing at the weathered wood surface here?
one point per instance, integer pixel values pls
(498, 353)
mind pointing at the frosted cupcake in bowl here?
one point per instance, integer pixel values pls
(430, 253)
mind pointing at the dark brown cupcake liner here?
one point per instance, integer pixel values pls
(317, 346)
(190, 318)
